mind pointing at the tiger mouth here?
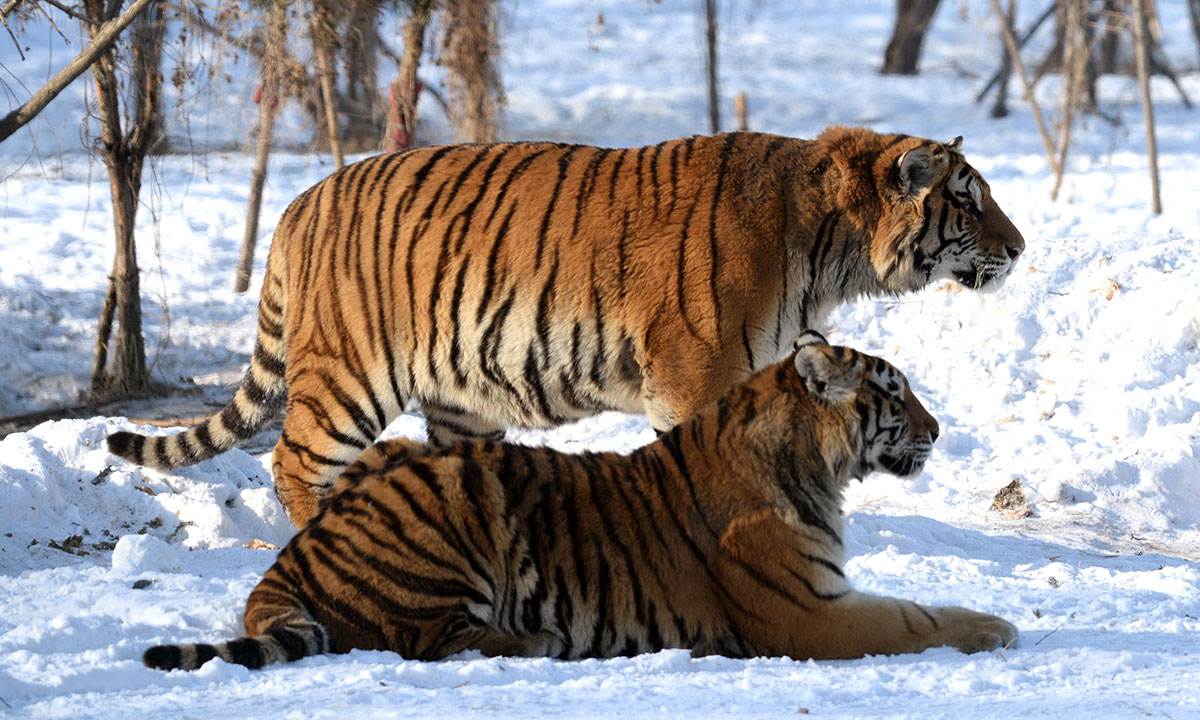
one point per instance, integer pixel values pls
(905, 465)
(980, 277)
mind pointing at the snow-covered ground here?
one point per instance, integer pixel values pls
(1080, 378)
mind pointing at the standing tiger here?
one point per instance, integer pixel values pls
(531, 284)
(723, 536)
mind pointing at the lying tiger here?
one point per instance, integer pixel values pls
(532, 284)
(723, 536)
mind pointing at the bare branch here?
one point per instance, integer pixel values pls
(69, 11)
(197, 20)
(1015, 54)
(8, 9)
(4, 19)
(107, 33)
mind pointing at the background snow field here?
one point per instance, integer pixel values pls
(1080, 377)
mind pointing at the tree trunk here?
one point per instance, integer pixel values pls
(904, 50)
(1141, 53)
(1106, 63)
(124, 155)
(361, 104)
(1194, 10)
(710, 64)
(1000, 107)
(406, 88)
(474, 78)
(324, 37)
(269, 102)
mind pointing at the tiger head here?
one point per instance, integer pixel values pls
(892, 431)
(939, 220)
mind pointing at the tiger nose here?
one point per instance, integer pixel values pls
(933, 431)
(1014, 251)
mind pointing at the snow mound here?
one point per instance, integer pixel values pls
(63, 494)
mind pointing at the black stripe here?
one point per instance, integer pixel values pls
(564, 161)
(513, 174)
(713, 244)
(480, 154)
(533, 381)
(584, 191)
(456, 331)
(418, 178)
(615, 176)
(493, 256)
(468, 213)
(545, 302)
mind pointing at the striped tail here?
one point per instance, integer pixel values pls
(260, 396)
(291, 636)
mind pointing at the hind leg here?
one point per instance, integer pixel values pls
(446, 426)
(327, 426)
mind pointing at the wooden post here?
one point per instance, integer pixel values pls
(1141, 53)
(740, 112)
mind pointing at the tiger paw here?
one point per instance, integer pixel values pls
(973, 632)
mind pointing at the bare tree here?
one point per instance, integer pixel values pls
(124, 150)
(1142, 55)
(360, 102)
(273, 90)
(323, 30)
(406, 88)
(471, 56)
(904, 49)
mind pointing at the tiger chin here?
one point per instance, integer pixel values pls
(534, 284)
(722, 536)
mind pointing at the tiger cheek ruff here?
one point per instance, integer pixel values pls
(723, 536)
(532, 284)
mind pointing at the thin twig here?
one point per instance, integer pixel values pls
(1039, 642)
(13, 35)
(53, 24)
(69, 11)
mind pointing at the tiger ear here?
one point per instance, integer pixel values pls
(918, 170)
(821, 369)
(955, 144)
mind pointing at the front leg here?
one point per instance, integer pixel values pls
(682, 377)
(859, 624)
(789, 597)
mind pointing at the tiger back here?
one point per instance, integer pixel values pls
(723, 536)
(532, 284)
